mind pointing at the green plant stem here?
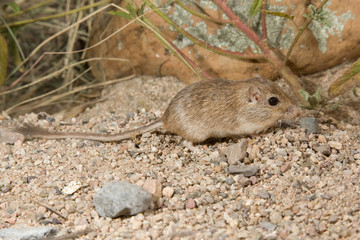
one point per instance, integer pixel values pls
(51, 38)
(201, 15)
(12, 35)
(202, 43)
(172, 48)
(27, 9)
(23, 22)
(302, 30)
(277, 59)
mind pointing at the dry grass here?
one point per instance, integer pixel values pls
(54, 73)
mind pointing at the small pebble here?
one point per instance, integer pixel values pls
(311, 230)
(154, 187)
(247, 171)
(268, 226)
(333, 219)
(190, 203)
(336, 145)
(236, 152)
(326, 196)
(289, 137)
(55, 221)
(253, 180)
(71, 187)
(321, 139)
(285, 167)
(310, 124)
(281, 152)
(217, 168)
(168, 192)
(218, 207)
(322, 227)
(276, 217)
(229, 181)
(264, 195)
(312, 197)
(323, 149)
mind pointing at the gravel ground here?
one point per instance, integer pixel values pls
(307, 186)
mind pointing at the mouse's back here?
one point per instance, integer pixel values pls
(222, 108)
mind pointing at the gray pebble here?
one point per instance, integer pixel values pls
(281, 152)
(45, 222)
(310, 124)
(326, 196)
(29, 233)
(333, 219)
(194, 195)
(266, 150)
(289, 137)
(312, 197)
(221, 158)
(229, 181)
(264, 194)
(323, 149)
(236, 152)
(5, 185)
(39, 217)
(247, 171)
(268, 226)
(121, 198)
(50, 119)
(55, 221)
(224, 195)
(276, 217)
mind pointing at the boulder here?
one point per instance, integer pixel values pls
(140, 51)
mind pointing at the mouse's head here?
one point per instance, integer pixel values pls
(271, 103)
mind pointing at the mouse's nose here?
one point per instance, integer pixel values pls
(294, 111)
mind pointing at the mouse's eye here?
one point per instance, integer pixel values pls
(273, 101)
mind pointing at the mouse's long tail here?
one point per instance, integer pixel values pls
(31, 131)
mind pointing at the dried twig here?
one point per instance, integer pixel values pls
(50, 209)
(71, 235)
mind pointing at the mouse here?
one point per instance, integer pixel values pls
(208, 109)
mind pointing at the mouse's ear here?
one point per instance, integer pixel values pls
(255, 95)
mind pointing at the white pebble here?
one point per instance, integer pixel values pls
(335, 144)
(168, 192)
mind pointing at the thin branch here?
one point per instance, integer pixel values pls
(263, 20)
(58, 72)
(59, 33)
(27, 9)
(201, 15)
(71, 235)
(27, 21)
(202, 43)
(50, 209)
(11, 33)
(75, 90)
(173, 48)
(302, 30)
(50, 92)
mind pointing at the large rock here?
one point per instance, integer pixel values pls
(319, 47)
(28, 233)
(121, 198)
